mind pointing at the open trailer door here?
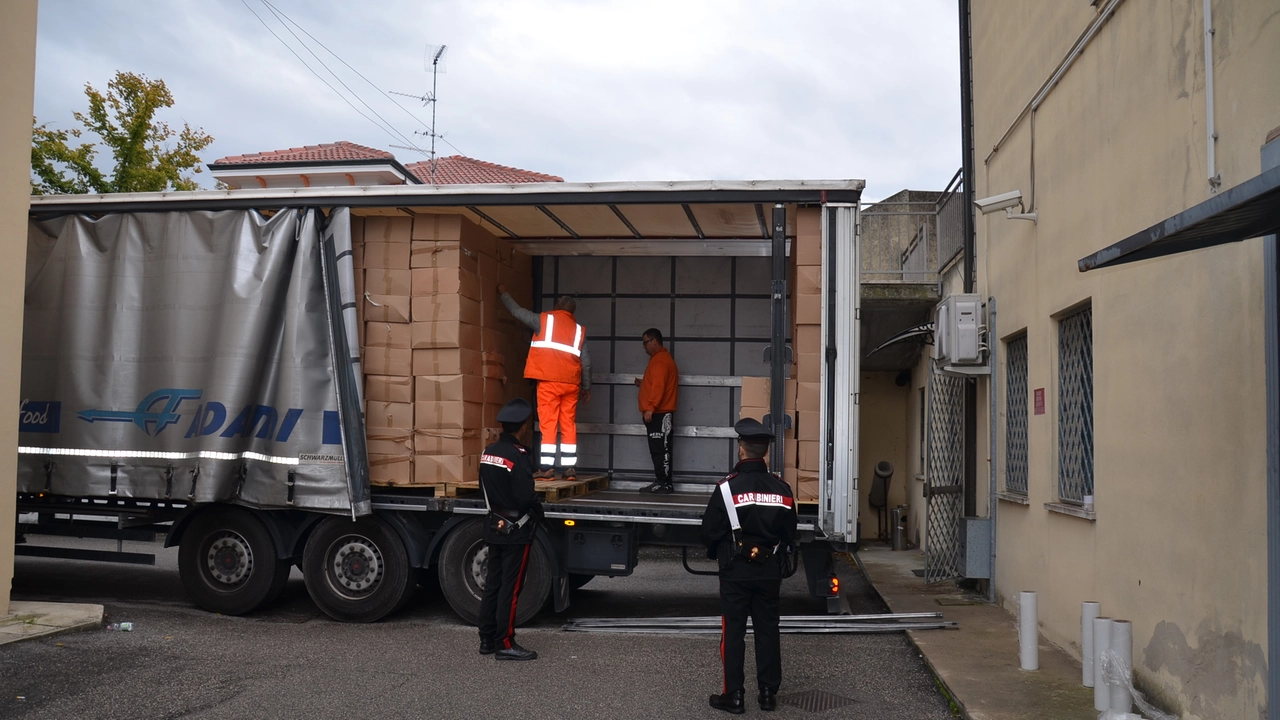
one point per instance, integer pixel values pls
(838, 437)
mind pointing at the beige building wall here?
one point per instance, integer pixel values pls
(883, 435)
(17, 87)
(1178, 544)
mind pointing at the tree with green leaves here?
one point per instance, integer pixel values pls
(124, 119)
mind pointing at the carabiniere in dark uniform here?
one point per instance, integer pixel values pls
(749, 523)
(506, 479)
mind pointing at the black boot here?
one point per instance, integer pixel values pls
(730, 702)
(487, 646)
(515, 652)
(768, 699)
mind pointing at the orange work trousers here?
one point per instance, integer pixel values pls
(558, 406)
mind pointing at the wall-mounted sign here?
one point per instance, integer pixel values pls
(1039, 401)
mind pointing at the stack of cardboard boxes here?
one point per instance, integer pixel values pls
(439, 352)
(807, 344)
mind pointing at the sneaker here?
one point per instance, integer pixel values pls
(545, 474)
(651, 487)
(570, 473)
(664, 489)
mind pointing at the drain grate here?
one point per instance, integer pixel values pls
(815, 700)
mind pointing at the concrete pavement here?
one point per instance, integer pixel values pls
(978, 663)
(27, 620)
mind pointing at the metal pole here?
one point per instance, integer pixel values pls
(970, 257)
(992, 396)
(778, 360)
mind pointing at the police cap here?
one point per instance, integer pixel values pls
(752, 430)
(516, 411)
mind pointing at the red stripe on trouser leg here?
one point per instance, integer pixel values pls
(515, 596)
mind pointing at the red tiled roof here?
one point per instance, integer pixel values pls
(462, 170)
(341, 150)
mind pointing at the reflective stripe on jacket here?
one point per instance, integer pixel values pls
(556, 350)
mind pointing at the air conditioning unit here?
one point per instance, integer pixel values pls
(958, 330)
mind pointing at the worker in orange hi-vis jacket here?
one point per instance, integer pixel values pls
(559, 361)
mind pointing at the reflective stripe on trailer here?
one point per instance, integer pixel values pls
(154, 455)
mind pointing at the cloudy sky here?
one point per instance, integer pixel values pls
(584, 89)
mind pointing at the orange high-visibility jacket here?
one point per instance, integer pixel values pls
(555, 354)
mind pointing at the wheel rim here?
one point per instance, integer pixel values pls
(228, 561)
(477, 564)
(354, 566)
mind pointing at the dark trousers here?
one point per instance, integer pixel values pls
(659, 430)
(502, 580)
(758, 599)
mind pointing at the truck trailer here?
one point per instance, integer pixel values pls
(195, 365)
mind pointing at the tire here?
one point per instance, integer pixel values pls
(577, 580)
(356, 571)
(462, 564)
(228, 563)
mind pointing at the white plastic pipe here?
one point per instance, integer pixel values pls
(1101, 641)
(1028, 631)
(1089, 612)
(1122, 646)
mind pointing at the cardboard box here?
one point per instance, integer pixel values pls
(387, 361)
(435, 469)
(458, 388)
(386, 335)
(450, 334)
(390, 470)
(357, 243)
(390, 442)
(493, 340)
(494, 365)
(388, 388)
(424, 254)
(495, 391)
(446, 442)
(809, 396)
(384, 308)
(446, 281)
(380, 414)
(387, 229)
(435, 227)
(449, 414)
(810, 424)
(807, 247)
(488, 269)
(446, 362)
(490, 415)
(806, 489)
(808, 280)
(809, 367)
(445, 308)
(386, 255)
(493, 312)
(808, 309)
(808, 339)
(755, 391)
(810, 455)
(387, 282)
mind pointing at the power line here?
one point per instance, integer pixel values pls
(360, 75)
(395, 134)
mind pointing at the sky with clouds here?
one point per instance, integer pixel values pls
(591, 90)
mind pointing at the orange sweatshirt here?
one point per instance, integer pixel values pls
(659, 387)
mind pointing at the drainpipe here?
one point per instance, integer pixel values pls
(1271, 295)
(970, 264)
(1215, 179)
(991, 412)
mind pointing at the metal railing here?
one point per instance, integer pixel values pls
(911, 236)
(1015, 439)
(1075, 407)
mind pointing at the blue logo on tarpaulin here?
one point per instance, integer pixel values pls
(156, 412)
(40, 416)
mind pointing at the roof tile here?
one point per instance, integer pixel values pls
(462, 170)
(341, 150)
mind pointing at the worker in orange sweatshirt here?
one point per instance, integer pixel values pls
(659, 389)
(559, 361)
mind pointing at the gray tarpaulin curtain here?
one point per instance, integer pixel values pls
(198, 356)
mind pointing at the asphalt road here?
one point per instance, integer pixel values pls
(291, 661)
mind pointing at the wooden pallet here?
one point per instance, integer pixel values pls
(548, 490)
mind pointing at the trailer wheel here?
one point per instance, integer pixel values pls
(356, 571)
(228, 564)
(463, 562)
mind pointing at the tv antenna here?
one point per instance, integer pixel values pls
(433, 59)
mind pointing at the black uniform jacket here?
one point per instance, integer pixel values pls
(766, 512)
(506, 474)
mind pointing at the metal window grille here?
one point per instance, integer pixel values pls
(944, 497)
(1075, 407)
(1015, 428)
